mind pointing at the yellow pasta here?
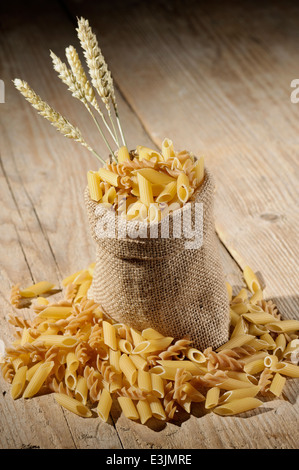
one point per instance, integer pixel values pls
(128, 408)
(138, 210)
(123, 154)
(128, 368)
(292, 347)
(155, 177)
(259, 318)
(144, 381)
(212, 398)
(114, 356)
(93, 181)
(284, 368)
(240, 329)
(268, 338)
(73, 405)
(70, 379)
(144, 411)
(18, 382)
(241, 296)
(150, 333)
(229, 290)
(31, 371)
(167, 149)
(70, 279)
(238, 406)
(283, 326)
(251, 280)
(72, 362)
(138, 361)
(109, 335)
(168, 193)
(195, 356)
(257, 296)
(37, 289)
(109, 176)
(280, 345)
(58, 340)
(157, 408)
(145, 190)
(38, 379)
(233, 384)
(104, 405)
(125, 346)
(82, 276)
(183, 187)
(236, 342)
(152, 345)
(239, 393)
(116, 384)
(157, 385)
(109, 196)
(55, 313)
(277, 385)
(81, 391)
(145, 153)
(255, 367)
(136, 336)
(199, 170)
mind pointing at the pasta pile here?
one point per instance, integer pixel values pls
(71, 348)
(146, 185)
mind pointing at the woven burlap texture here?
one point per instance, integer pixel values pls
(159, 283)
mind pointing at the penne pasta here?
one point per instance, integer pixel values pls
(104, 405)
(81, 391)
(55, 313)
(128, 408)
(150, 333)
(268, 338)
(167, 149)
(199, 170)
(73, 405)
(239, 393)
(114, 356)
(237, 406)
(183, 187)
(136, 337)
(229, 290)
(284, 368)
(196, 356)
(212, 398)
(236, 342)
(125, 346)
(251, 280)
(123, 154)
(144, 411)
(240, 329)
(188, 366)
(255, 367)
(144, 381)
(109, 176)
(70, 379)
(31, 371)
(93, 181)
(152, 345)
(138, 361)
(109, 196)
(70, 279)
(157, 385)
(145, 190)
(157, 408)
(155, 177)
(168, 193)
(109, 335)
(18, 382)
(259, 318)
(61, 341)
(277, 385)
(146, 153)
(257, 296)
(37, 289)
(283, 326)
(128, 368)
(240, 308)
(72, 362)
(38, 379)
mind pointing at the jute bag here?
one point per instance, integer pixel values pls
(161, 282)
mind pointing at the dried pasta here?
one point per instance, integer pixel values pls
(73, 350)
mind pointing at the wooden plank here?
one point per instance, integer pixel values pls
(35, 216)
(192, 77)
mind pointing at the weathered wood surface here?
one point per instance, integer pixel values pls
(215, 81)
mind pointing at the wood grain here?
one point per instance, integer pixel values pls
(185, 78)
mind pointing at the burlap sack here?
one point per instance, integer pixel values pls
(161, 282)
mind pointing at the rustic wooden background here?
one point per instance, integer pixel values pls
(216, 80)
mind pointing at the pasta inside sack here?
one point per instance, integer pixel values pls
(70, 348)
(142, 184)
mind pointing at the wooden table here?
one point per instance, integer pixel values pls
(214, 80)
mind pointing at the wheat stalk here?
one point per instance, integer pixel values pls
(76, 89)
(98, 70)
(80, 76)
(55, 118)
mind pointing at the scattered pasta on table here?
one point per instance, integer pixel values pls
(72, 349)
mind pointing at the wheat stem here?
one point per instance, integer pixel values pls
(80, 75)
(55, 118)
(76, 89)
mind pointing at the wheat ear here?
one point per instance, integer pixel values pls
(55, 118)
(80, 75)
(76, 89)
(98, 69)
